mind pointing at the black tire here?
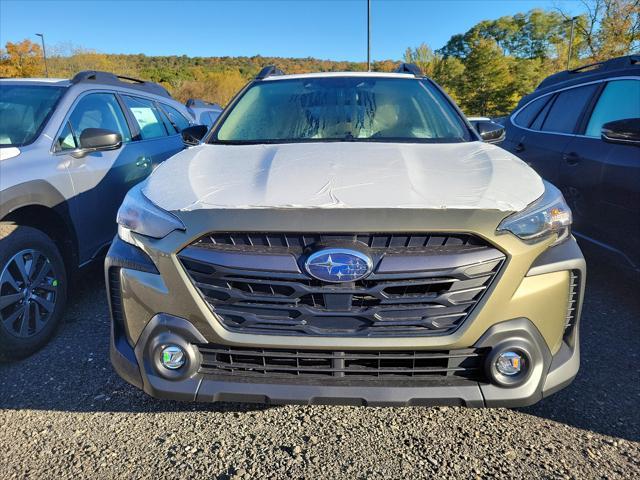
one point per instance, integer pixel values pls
(28, 250)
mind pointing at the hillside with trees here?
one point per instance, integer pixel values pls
(486, 69)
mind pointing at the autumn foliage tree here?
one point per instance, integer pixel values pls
(21, 59)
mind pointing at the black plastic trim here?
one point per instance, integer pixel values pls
(411, 68)
(213, 388)
(125, 255)
(269, 71)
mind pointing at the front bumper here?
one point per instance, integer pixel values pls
(144, 319)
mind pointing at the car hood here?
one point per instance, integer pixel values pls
(472, 175)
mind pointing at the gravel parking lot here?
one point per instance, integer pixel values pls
(64, 413)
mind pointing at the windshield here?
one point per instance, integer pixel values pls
(342, 109)
(23, 111)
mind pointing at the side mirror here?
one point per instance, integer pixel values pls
(92, 139)
(193, 135)
(625, 131)
(490, 132)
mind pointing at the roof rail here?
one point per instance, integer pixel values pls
(618, 63)
(197, 103)
(108, 78)
(411, 68)
(268, 71)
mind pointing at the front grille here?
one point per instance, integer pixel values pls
(342, 365)
(422, 284)
(298, 242)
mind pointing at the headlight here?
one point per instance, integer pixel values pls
(138, 214)
(548, 215)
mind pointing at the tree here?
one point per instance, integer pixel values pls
(488, 88)
(523, 35)
(218, 87)
(423, 57)
(21, 59)
(448, 72)
(609, 28)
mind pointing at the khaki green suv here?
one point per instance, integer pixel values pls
(346, 238)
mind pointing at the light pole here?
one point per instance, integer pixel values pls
(44, 54)
(368, 35)
(573, 24)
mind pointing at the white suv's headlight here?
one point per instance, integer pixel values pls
(138, 214)
(548, 215)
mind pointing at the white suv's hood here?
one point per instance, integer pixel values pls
(471, 175)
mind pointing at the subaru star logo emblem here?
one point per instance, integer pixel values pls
(338, 265)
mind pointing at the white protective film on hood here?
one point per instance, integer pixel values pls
(471, 175)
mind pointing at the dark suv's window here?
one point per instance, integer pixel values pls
(96, 110)
(567, 108)
(528, 113)
(147, 116)
(537, 123)
(619, 100)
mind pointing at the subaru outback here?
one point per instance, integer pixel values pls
(69, 152)
(346, 238)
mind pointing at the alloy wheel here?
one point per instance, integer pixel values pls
(28, 293)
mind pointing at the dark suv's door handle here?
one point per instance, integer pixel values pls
(571, 158)
(519, 147)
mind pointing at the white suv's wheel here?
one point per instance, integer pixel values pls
(33, 289)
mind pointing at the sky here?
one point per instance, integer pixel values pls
(326, 29)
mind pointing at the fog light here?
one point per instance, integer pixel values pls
(172, 357)
(510, 363)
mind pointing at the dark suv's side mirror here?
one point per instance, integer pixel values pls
(490, 132)
(626, 131)
(194, 134)
(94, 139)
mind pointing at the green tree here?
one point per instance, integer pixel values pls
(423, 57)
(448, 72)
(488, 88)
(523, 35)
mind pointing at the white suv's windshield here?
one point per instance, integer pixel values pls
(23, 111)
(342, 109)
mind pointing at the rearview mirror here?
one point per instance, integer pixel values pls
(626, 131)
(490, 132)
(193, 135)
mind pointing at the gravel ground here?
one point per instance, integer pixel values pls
(64, 413)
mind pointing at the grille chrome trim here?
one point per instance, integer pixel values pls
(253, 289)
